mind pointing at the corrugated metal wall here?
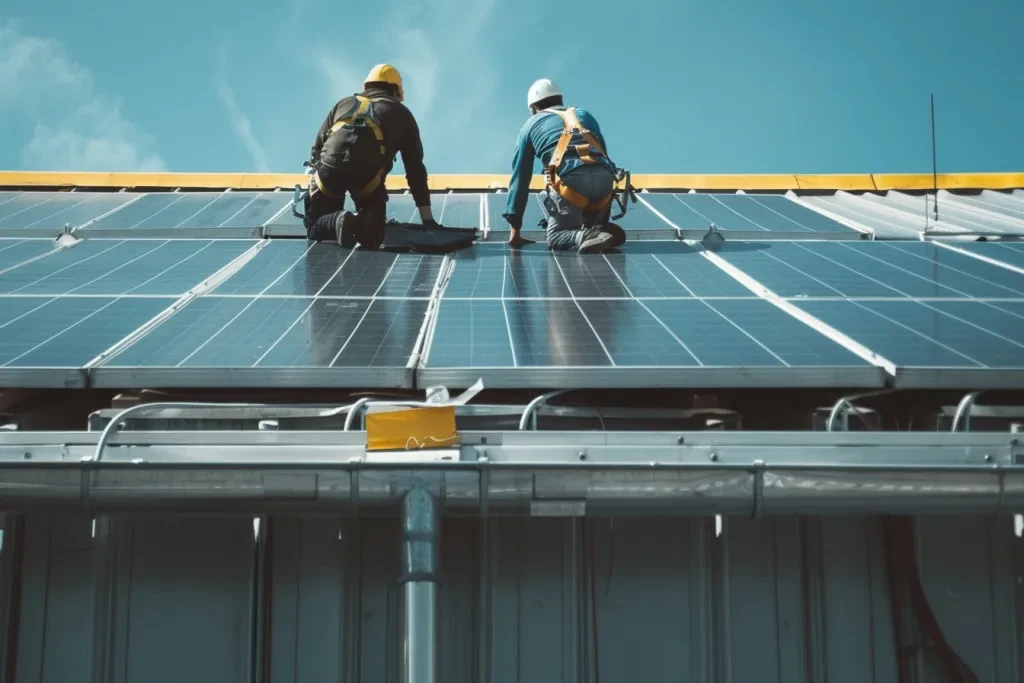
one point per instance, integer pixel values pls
(165, 600)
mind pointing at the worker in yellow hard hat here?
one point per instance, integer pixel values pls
(353, 153)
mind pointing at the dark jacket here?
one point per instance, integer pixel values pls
(401, 134)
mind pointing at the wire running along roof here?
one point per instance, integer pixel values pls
(181, 289)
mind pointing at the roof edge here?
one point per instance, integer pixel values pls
(442, 182)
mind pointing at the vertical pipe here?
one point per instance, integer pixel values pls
(935, 167)
(420, 555)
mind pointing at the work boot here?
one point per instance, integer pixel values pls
(348, 230)
(617, 233)
(373, 225)
(594, 241)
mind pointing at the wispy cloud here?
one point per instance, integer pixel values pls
(76, 126)
(241, 123)
(449, 67)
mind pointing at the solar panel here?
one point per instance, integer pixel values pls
(460, 210)
(51, 211)
(1010, 253)
(233, 214)
(296, 314)
(532, 318)
(15, 251)
(274, 341)
(118, 267)
(496, 207)
(39, 335)
(870, 269)
(949, 344)
(293, 268)
(746, 216)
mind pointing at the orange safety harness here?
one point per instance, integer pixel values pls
(586, 150)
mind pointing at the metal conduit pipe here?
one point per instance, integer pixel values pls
(354, 410)
(529, 417)
(963, 411)
(420, 560)
(846, 403)
(115, 422)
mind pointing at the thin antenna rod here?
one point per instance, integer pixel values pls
(935, 168)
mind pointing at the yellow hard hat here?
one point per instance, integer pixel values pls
(385, 73)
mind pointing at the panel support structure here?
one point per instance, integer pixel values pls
(420, 557)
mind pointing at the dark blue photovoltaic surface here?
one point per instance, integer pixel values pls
(281, 332)
(1011, 253)
(634, 333)
(54, 210)
(659, 269)
(68, 331)
(748, 333)
(869, 269)
(458, 210)
(913, 334)
(15, 251)
(195, 210)
(113, 267)
(471, 333)
(737, 212)
(496, 206)
(294, 268)
(183, 210)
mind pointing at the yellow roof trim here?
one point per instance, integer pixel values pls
(441, 182)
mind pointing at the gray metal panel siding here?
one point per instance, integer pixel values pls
(783, 599)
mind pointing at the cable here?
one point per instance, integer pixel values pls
(593, 601)
(901, 561)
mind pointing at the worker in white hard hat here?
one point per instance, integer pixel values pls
(579, 175)
(353, 153)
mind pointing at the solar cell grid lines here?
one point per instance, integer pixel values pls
(16, 251)
(311, 314)
(746, 216)
(52, 211)
(870, 269)
(508, 315)
(165, 214)
(120, 267)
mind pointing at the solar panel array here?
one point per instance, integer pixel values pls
(183, 290)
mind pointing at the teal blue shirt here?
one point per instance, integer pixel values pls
(537, 140)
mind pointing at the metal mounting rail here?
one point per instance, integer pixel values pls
(518, 472)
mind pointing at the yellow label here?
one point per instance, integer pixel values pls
(411, 429)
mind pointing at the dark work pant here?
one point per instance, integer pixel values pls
(323, 211)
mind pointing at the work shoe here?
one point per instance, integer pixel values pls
(348, 230)
(593, 241)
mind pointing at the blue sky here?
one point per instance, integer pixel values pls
(684, 86)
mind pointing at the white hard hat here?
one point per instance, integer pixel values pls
(541, 90)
